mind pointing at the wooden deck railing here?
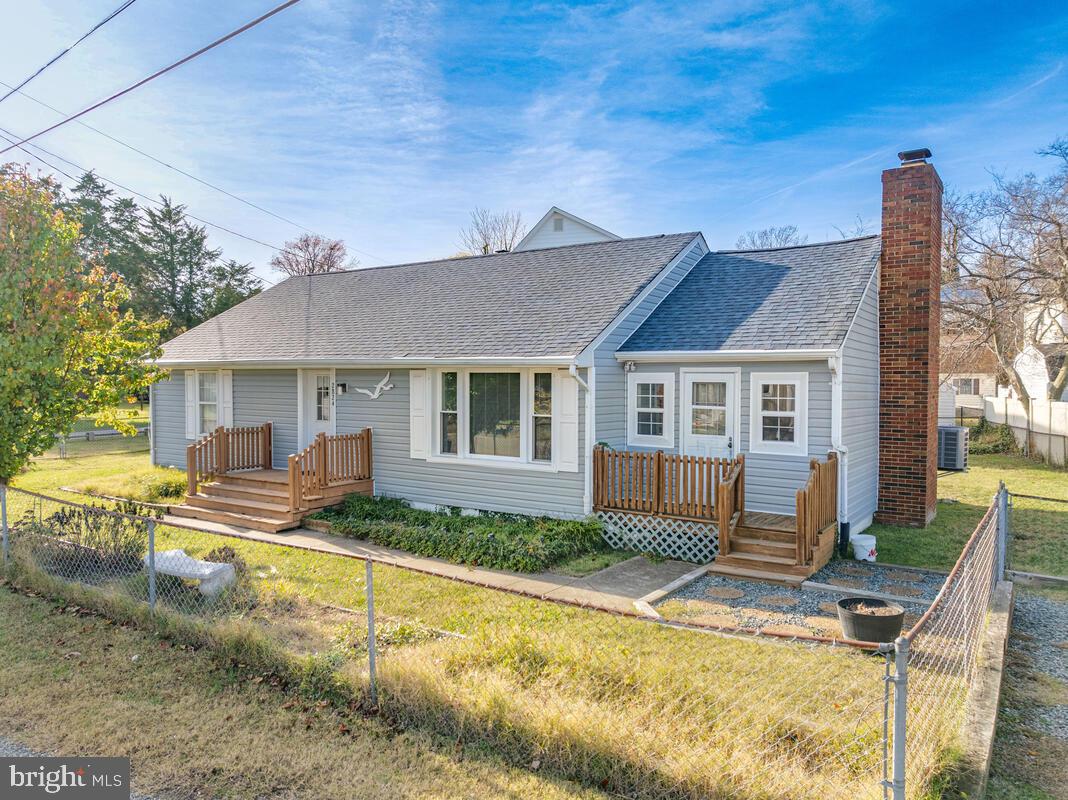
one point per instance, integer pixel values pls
(329, 461)
(660, 483)
(817, 505)
(730, 504)
(225, 450)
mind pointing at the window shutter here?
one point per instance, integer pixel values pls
(190, 404)
(566, 406)
(226, 398)
(418, 410)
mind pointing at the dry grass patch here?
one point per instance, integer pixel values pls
(78, 684)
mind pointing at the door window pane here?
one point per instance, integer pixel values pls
(322, 398)
(710, 393)
(709, 422)
(494, 413)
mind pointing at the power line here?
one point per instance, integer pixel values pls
(180, 171)
(66, 50)
(157, 73)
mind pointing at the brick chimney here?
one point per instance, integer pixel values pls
(909, 307)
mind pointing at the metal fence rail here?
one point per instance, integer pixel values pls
(641, 708)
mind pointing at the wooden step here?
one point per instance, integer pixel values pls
(766, 547)
(239, 506)
(757, 561)
(246, 492)
(767, 534)
(753, 574)
(227, 518)
(255, 480)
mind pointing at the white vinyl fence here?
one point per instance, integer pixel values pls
(1042, 432)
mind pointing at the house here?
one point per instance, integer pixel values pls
(750, 403)
(970, 369)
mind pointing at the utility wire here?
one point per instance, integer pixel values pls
(163, 163)
(180, 171)
(66, 50)
(156, 74)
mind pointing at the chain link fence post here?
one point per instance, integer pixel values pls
(3, 519)
(152, 564)
(1003, 530)
(370, 577)
(901, 665)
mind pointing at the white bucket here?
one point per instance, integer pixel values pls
(863, 547)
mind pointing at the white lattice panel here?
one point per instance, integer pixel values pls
(675, 538)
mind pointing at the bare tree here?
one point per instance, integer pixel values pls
(490, 232)
(1006, 282)
(767, 238)
(861, 227)
(312, 254)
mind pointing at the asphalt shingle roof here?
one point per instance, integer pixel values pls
(550, 302)
(783, 299)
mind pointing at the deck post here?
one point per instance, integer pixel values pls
(268, 455)
(370, 452)
(222, 451)
(320, 460)
(294, 482)
(191, 468)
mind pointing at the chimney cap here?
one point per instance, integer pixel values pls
(918, 156)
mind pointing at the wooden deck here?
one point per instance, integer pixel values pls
(229, 483)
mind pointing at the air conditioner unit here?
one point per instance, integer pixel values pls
(952, 447)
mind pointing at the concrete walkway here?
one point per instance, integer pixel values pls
(618, 588)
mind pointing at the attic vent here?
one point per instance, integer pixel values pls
(558, 223)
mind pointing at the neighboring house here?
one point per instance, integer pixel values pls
(1033, 366)
(558, 228)
(970, 370)
(489, 382)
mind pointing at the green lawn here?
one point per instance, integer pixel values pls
(134, 413)
(1039, 529)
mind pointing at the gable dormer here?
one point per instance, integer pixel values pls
(558, 228)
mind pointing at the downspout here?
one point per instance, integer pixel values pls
(835, 363)
(587, 480)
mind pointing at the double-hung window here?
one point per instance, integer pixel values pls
(504, 415)
(207, 402)
(651, 409)
(966, 385)
(778, 421)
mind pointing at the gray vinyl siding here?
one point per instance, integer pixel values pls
(269, 395)
(860, 411)
(168, 421)
(771, 481)
(610, 382)
(259, 396)
(397, 474)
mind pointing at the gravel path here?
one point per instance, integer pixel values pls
(12, 749)
(718, 600)
(1040, 629)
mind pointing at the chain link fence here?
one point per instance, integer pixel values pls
(641, 708)
(98, 443)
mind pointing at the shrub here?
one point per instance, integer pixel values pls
(501, 541)
(987, 438)
(163, 485)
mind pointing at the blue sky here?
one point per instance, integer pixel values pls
(385, 123)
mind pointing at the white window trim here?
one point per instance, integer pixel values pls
(525, 459)
(756, 443)
(223, 400)
(640, 440)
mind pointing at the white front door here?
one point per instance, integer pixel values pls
(318, 401)
(709, 414)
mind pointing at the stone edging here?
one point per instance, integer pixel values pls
(832, 589)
